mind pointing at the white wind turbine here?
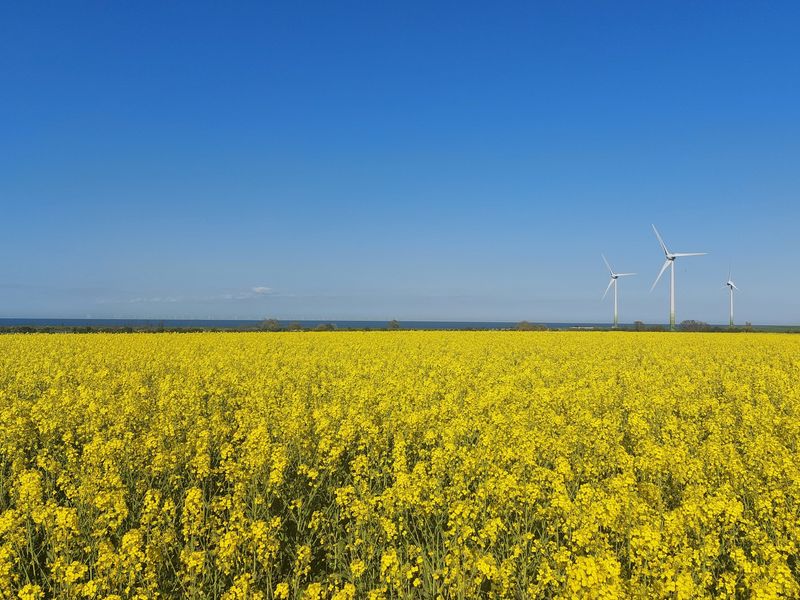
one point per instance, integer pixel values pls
(670, 262)
(613, 282)
(731, 286)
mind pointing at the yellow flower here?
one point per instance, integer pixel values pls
(357, 568)
(31, 592)
(282, 591)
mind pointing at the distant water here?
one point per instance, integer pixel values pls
(253, 324)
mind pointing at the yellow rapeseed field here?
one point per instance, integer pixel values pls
(399, 465)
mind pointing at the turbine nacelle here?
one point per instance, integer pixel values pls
(730, 283)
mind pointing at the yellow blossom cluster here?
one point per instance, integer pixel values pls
(378, 465)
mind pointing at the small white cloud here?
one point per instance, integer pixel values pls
(155, 299)
(253, 292)
(257, 291)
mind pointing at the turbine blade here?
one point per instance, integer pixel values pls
(610, 283)
(610, 270)
(625, 274)
(676, 254)
(660, 273)
(660, 241)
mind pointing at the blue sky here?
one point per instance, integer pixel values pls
(449, 160)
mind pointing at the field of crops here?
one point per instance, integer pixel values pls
(399, 465)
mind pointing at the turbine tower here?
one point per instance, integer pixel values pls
(731, 286)
(613, 282)
(670, 262)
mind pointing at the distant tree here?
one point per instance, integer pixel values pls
(294, 326)
(639, 325)
(393, 325)
(270, 325)
(692, 325)
(526, 326)
(325, 327)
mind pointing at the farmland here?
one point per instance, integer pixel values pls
(399, 465)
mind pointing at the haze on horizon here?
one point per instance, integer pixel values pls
(355, 160)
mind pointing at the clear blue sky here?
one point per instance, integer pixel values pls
(451, 160)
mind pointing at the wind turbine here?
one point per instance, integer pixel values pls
(670, 262)
(613, 282)
(731, 286)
